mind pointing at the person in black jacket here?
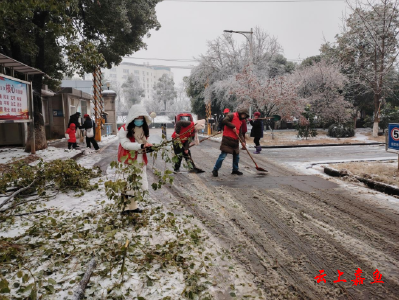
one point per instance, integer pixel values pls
(89, 123)
(257, 131)
(75, 120)
(220, 124)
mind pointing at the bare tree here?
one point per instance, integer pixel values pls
(214, 77)
(164, 90)
(132, 91)
(368, 47)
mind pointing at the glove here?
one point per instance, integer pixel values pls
(67, 136)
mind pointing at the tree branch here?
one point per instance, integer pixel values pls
(16, 193)
(80, 290)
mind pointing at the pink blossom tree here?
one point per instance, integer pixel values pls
(272, 96)
(321, 86)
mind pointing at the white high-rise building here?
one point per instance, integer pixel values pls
(145, 74)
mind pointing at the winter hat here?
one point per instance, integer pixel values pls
(226, 111)
(86, 116)
(135, 111)
(257, 114)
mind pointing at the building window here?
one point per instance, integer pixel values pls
(112, 75)
(126, 71)
(113, 69)
(124, 76)
(136, 72)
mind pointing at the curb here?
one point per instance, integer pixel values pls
(381, 187)
(322, 145)
(313, 146)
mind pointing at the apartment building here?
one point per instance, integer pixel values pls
(145, 74)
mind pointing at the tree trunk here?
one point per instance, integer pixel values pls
(376, 114)
(39, 130)
(375, 129)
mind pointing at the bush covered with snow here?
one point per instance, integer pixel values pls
(341, 131)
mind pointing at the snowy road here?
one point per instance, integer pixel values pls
(287, 226)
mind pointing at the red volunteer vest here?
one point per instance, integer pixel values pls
(186, 132)
(123, 152)
(227, 131)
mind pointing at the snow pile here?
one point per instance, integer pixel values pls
(8, 155)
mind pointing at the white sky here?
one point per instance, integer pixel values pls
(187, 26)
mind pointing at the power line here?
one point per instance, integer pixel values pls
(188, 60)
(166, 59)
(253, 1)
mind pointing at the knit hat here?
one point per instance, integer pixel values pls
(257, 114)
(86, 116)
(226, 111)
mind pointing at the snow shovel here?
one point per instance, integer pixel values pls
(256, 165)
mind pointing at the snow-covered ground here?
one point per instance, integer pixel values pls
(8, 155)
(197, 267)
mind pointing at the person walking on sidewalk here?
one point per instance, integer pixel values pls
(133, 137)
(220, 123)
(70, 134)
(183, 136)
(257, 131)
(244, 130)
(90, 126)
(230, 141)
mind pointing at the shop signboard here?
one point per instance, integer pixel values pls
(13, 100)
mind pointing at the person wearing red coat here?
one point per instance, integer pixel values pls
(70, 134)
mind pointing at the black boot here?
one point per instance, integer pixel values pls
(215, 173)
(237, 172)
(196, 170)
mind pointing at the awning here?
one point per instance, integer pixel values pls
(17, 66)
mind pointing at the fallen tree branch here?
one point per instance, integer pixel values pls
(80, 290)
(30, 200)
(16, 193)
(33, 212)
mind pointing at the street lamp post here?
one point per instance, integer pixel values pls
(153, 115)
(250, 41)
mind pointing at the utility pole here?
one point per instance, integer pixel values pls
(98, 103)
(249, 36)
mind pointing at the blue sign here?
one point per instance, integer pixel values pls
(393, 136)
(58, 113)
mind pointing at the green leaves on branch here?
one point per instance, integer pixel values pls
(63, 174)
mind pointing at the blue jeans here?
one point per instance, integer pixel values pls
(222, 156)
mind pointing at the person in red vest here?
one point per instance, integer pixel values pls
(133, 137)
(230, 142)
(183, 135)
